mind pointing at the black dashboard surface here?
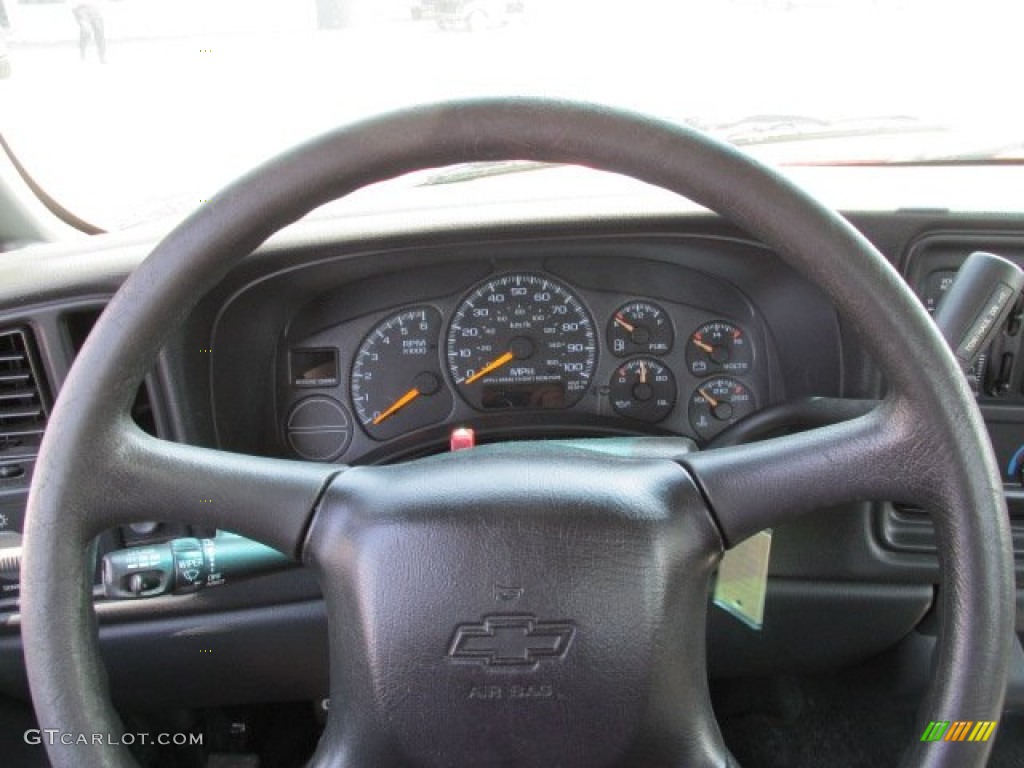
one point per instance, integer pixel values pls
(719, 357)
(289, 325)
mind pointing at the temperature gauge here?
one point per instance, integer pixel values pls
(640, 327)
(643, 389)
(717, 403)
(718, 347)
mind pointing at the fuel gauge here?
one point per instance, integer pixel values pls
(718, 347)
(640, 327)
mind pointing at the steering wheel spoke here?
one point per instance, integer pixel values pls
(757, 485)
(269, 500)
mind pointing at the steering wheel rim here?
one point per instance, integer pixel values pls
(925, 444)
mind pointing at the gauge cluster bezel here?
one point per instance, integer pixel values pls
(603, 283)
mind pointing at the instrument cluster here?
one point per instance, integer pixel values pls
(520, 348)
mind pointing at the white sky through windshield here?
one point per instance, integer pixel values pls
(195, 92)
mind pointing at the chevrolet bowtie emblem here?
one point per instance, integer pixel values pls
(511, 641)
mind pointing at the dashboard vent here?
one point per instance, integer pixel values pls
(22, 413)
(906, 528)
(79, 324)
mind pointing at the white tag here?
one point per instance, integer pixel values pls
(743, 579)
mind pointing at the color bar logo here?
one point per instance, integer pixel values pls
(958, 730)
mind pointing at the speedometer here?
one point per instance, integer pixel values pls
(521, 341)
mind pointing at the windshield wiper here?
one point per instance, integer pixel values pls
(878, 140)
(457, 174)
(1011, 153)
(769, 129)
(883, 139)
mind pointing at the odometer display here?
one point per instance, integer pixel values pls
(521, 341)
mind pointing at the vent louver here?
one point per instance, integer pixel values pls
(22, 413)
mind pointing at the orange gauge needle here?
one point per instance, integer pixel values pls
(398, 405)
(709, 398)
(622, 321)
(491, 366)
(701, 345)
(643, 372)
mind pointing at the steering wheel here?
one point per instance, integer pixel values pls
(601, 659)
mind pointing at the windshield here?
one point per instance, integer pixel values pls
(131, 111)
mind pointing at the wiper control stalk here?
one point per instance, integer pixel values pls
(186, 565)
(977, 304)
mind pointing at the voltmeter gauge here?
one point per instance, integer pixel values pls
(396, 381)
(640, 327)
(719, 347)
(717, 403)
(644, 389)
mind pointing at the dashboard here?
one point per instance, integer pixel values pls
(350, 345)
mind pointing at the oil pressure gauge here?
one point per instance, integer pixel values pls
(644, 389)
(718, 347)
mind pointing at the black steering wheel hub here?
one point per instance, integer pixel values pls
(505, 604)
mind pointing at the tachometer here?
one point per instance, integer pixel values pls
(521, 341)
(396, 377)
